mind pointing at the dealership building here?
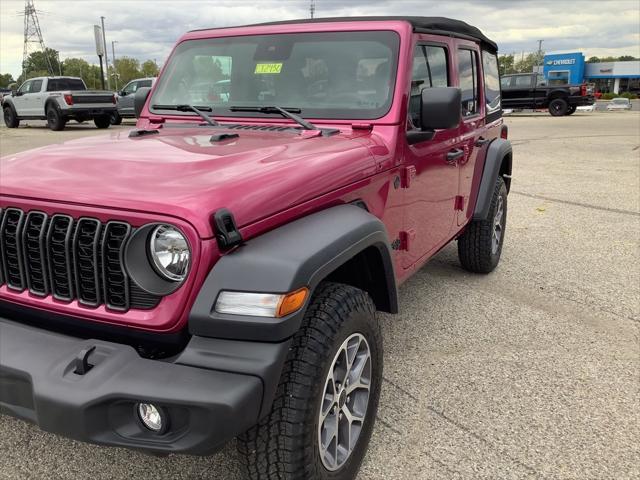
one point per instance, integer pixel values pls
(608, 77)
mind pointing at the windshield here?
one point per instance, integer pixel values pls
(324, 75)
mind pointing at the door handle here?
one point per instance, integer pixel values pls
(481, 142)
(454, 155)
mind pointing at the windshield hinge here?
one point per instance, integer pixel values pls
(227, 233)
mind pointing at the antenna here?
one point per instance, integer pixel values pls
(33, 34)
(312, 8)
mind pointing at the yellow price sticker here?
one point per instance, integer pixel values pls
(268, 68)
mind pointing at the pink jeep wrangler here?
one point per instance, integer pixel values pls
(216, 272)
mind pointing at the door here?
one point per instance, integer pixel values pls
(20, 100)
(519, 91)
(33, 99)
(430, 170)
(472, 127)
(125, 103)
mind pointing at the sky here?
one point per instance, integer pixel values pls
(147, 29)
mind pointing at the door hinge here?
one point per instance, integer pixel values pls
(408, 174)
(458, 203)
(406, 239)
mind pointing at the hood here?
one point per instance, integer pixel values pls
(181, 172)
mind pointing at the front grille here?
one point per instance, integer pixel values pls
(69, 259)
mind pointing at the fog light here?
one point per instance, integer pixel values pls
(151, 417)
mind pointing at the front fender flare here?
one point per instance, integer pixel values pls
(299, 254)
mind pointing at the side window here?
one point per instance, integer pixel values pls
(468, 71)
(131, 88)
(505, 82)
(523, 81)
(541, 81)
(36, 86)
(144, 83)
(491, 81)
(429, 70)
(24, 88)
(53, 85)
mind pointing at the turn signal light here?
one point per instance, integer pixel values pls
(68, 98)
(292, 302)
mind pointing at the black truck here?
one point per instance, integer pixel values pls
(531, 90)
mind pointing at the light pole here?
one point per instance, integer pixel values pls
(106, 58)
(113, 61)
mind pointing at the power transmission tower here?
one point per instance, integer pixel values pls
(312, 8)
(33, 34)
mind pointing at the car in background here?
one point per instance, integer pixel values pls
(124, 99)
(587, 108)
(58, 100)
(619, 104)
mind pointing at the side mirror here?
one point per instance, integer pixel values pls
(122, 93)
(140, 99)
(14, 92)
(17, 93)
(440, 108)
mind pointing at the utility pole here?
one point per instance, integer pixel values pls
(106, 57)
(113, 61)
(32, 34)
(540, 52)
(312, 8)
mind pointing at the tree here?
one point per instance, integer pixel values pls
(506, 64)
(6, 79)
(127, 69)
(37, 63)
(149, 69)
(627, 58)
(527, 63)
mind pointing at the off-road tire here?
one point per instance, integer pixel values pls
(102, 121)
(11, 120)
(572, 109)
(284, 445)
(558, 107)
(55, 120)
(475, 245)
(115, 118)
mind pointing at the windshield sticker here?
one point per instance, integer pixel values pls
(268, 68)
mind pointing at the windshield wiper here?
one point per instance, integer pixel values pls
(287, 113)
(190, 108)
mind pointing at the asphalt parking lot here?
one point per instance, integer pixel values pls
(530, 372)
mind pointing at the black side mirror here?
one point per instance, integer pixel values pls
(17, 93)
(14, 92)
(122, 93)
(140, 99)
(440, 108)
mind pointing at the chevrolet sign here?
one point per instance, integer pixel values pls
(564, 61)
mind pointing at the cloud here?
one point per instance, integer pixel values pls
(147, 29)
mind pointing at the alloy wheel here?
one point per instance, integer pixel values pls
(497, 226)
(344, 402)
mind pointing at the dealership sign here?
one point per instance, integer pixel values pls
(564, 61)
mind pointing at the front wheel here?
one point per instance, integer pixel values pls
(480, 246)
(102, 121)
(324, 411)
(11, 120)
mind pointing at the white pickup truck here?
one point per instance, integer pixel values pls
(58, 100)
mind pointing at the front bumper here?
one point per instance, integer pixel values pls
(206, 407)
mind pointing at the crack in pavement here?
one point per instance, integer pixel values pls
(577, 204)
(466, 429)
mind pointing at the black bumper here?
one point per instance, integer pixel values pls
(205, 406)
(88, 111)
(582, 101)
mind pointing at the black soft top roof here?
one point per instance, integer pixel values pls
(435, 25)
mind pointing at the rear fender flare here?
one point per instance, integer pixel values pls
(497, 162)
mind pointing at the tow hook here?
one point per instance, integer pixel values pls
(82, 361)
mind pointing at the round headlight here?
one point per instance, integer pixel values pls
(170, 252)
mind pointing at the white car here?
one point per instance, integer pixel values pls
(619, 104)
(57, 100)
(587, 108)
